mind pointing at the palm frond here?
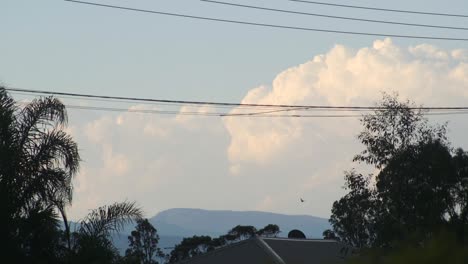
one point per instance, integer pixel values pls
(55, 148)
(102, 221)
(37, 116)
(7, 132)
(50, 186)
(7, 110)
(50, 168)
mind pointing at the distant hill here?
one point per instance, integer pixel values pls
(174, 224)
(189, 222)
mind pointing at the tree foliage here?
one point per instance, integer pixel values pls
(353, 215)
(196, 245)
(420, 188)
(441, 248)
(241, 232)
(101, 222)
(38, 162)
(392, 128)
(269, 230)
(143, 243)
(190, 247)
(92, 242)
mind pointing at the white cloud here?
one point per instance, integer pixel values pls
(423, 73)
(187, 161)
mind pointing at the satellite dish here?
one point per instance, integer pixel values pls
(297, 234)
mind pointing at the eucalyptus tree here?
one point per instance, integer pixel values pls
(143, 243)
(420, 187)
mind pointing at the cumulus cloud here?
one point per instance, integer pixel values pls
(139, 157)
(189, 161)
(423, 73)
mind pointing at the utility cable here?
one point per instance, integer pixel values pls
(292, 107)
(380, 9)
(270, 25)
(335, 17)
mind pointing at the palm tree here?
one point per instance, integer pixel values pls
(101, 222)
(92, 241)
(38, 161)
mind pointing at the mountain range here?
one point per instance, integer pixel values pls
(175, 224)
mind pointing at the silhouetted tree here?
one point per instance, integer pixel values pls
(38, 162)
(353, 216)
(190, 247)
(420, 188)
(458, 212)
(270, 230)
(241, 232)
(196, 245)
(415, 191)
(92, 242)
(330, 235)
(393, 128)
(441, 248)
(143, 243)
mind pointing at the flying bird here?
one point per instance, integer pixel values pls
(302, 200)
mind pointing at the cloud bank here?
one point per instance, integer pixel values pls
(245, 163)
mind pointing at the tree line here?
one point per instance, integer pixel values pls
(197, 245)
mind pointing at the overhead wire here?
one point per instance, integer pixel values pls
(238, 107)
(381, 9)
(43, 92)
(269, 25)
(332, 16)
(218, 114)
(270, 113)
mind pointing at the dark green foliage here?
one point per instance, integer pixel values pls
(42, 236)
(196, 245)
(143, 244)
(242, 232)
(101, 222)
(190, 247)
(353, 215)
(415, 189)
(392, 129)
(92, 242)
(441, 248)
(269, 231)
(92, 249)
(421, 188)
(330, 235)
(37, 164)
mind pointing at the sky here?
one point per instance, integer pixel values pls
(226, 163)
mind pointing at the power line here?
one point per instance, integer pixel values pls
(380, 9)
(331, 16)
(270, 25)
(270, 109)
(217, 114)
(211, 103)
(23, 92)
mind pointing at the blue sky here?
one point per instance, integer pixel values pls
(64, 46)
(165, 162)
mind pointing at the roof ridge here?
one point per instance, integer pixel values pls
(272, 253)
(206, 254)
